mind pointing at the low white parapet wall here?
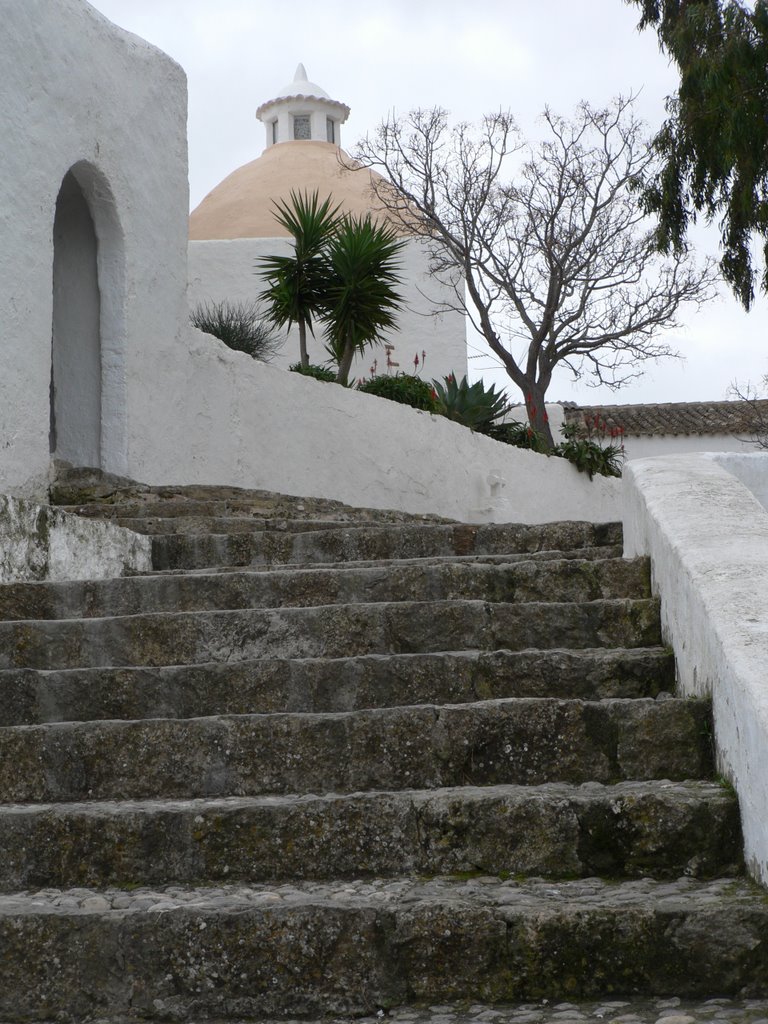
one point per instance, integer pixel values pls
(707, 536)
(38, 542)
(223, 418)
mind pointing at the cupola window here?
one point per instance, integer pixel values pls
(274, 131)
(301, 127)
(330, 129)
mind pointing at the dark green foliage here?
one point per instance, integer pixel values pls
(242, 326)
(360, 299)
(521, 435)
(311, 370)
(295, 284)
(588, 455)
(403, 388)
(473, 406)
(715, 142)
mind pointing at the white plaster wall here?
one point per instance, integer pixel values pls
(226, 418)
(220, 270)
(707, 536)
(78, 93)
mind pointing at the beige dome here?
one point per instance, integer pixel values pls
(241, 206)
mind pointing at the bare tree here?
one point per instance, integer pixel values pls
(558, 259)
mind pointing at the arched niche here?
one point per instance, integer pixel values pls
(88, 331)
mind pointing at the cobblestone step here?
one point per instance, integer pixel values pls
(311, 949)
(30, 696)
(562, 580)
(523, 742)
(181, 551)
(660, 830)
(330, 631)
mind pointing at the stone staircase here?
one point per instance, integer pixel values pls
(333, 761)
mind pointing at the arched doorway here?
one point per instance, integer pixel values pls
(76, 374)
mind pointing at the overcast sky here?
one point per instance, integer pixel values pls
(468, 57)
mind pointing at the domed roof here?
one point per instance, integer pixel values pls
(241, 206)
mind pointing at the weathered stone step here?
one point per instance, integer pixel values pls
(330, 631)
(193, 525)
(179, 551)
(274, 507)
(650, 829)
(29, 696)
(522, 742)
(238, 952)
(629, 1010)
(561, 580)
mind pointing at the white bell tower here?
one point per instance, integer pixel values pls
(302, 112)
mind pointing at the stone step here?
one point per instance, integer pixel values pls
(520, 741)
(206, 523)
(529, 580)
(180, 551)
(30, 696)
(237, 952)
(651, 829)
(330, 631)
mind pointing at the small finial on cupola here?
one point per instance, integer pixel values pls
(303, 112)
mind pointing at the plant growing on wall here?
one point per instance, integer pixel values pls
(295, 284)
(403, 388)
(472, 405)
(242, 326)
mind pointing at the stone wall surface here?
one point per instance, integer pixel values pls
(219, 417)
(707, 536)
(42, 543)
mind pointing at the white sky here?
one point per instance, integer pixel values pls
(468, 57)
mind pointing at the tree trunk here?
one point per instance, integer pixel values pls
(303, 356)
(345, 364)
(537, 414)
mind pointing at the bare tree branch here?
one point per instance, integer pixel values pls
(556, 254)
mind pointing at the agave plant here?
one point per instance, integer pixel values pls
(473, 405)
(296, 284)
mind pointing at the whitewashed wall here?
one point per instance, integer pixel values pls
(220, 270)
(78, 94)
(218, 416)
(707, 536)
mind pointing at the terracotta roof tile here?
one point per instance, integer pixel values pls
(676, 417)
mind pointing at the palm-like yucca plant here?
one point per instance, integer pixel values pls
(361, 298)
(296, 284)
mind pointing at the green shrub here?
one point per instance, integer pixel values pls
(318, 372)
(588, 455)
(521, 435)
(473, 406)
(403, 388)
(240, 325)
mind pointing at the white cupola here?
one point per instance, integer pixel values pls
(303, 112)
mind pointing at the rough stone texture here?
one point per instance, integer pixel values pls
(42, 543)
(629, 830)
(330, 631)
(414, 815)
(520, 581)
(30, 696)
(319, 949)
